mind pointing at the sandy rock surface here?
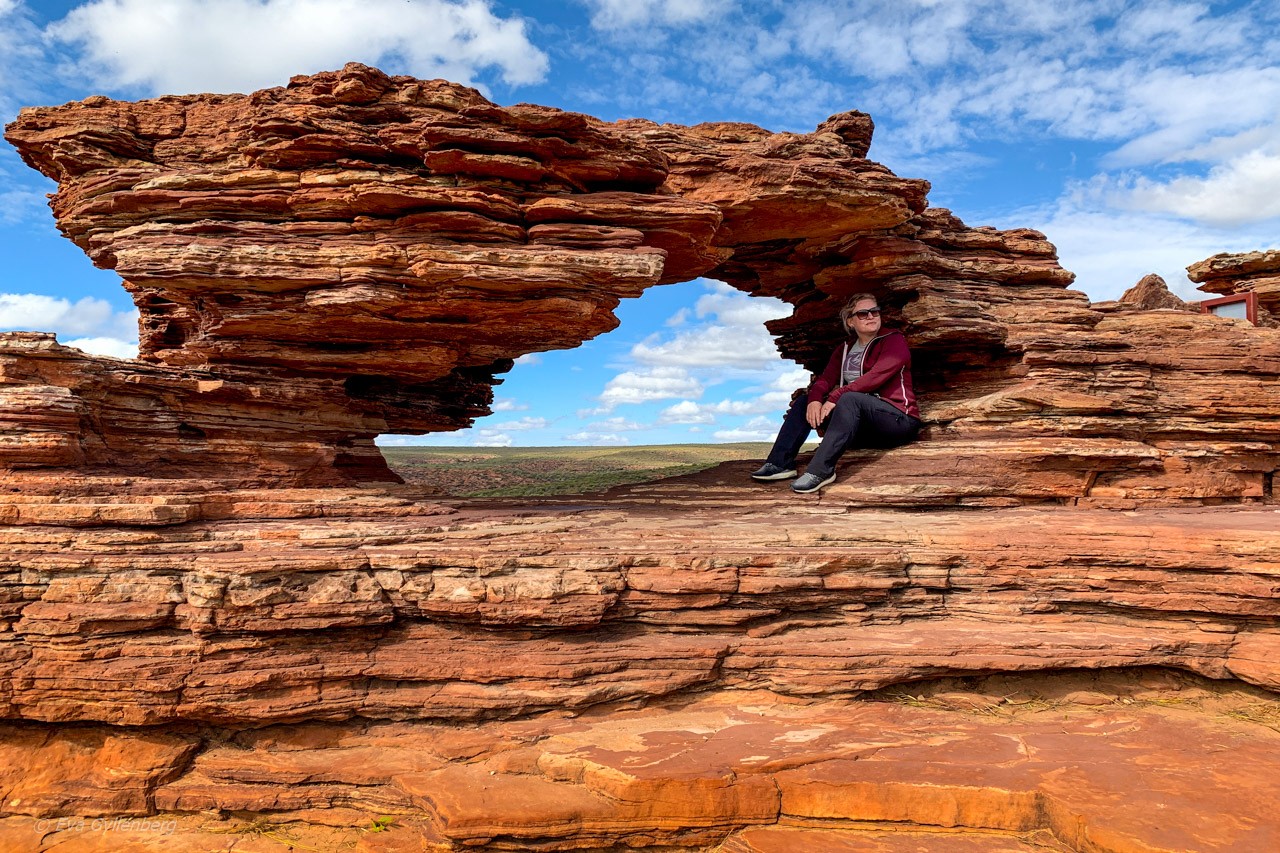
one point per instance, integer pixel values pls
(1050, 624)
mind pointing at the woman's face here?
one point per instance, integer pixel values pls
(865, 319)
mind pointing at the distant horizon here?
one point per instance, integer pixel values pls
(1138, 137)
(563, 446)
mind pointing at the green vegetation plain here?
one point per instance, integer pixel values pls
(547, 471)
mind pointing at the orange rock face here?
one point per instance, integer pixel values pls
(1127, 764)
(1250, 272)
(691, 662)
(369, 253)
(375, 613)
(209, 639)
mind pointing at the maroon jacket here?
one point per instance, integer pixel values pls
(886, 372)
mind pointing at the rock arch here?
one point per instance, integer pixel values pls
(356, 254)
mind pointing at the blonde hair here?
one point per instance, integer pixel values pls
(847, 311)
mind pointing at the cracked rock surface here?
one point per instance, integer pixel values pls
(1050, 624)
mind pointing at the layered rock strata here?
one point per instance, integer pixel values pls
(1249, 272)
(673, 663)
(62, 409)
(498, 611)
(355, 225)
(198, 630)
(377, 250)
(1131, 762)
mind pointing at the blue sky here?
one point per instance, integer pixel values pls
(1140, 136)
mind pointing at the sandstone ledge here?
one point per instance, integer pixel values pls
(688, 663)
(356, 254)
(489, 609)
(1120, 763)
(203, 620)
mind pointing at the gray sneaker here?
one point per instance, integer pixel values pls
(811, 483)
(769, 471)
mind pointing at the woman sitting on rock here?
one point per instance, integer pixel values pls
(863, 398)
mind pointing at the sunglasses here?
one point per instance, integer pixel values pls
(865, 315)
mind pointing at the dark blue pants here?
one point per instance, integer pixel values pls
(858, 420)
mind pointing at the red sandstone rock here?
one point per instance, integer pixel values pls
(1250, 272)
(96, 414)
(358, 254)
(498, 612)
(1151, 293)
(907, 772)
(85, 771)
(286, 245)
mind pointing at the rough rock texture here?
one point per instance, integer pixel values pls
(671, 663)
(1137, 763)
(61, 409)
(1257, 272)
(698, 583)
(376, 250)
(1151, 293)
(206, 643)
(398, 242)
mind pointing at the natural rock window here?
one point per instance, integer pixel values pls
(356, 255)
(680, 667)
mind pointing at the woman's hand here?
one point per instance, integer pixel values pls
(827, 409)
(813, 413)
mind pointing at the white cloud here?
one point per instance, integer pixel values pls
(619, 14)
(89, 324)
(491, 438)
(529, 359)
(1178, 111)
(789, 379)
(756, 429)
(23, 59)
(506, 404)
(87, 317)
(1154, 78)
(1110, 249)
(522, 424)
(729, 342)
(699, 69)
(649, 384)
(735, 338)
(616, 425)
(21, 205)
(679, 318)
(689, 412)
(113, 347)
(710, 346)
(880, 40)
(1174, 26)
(732, 307)
(1157, 76)
(1245, 189)
(686, 412)
(589, 437)
(183, 46)
(773, 401)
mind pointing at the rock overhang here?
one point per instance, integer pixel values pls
(360, 223)
(378, 250)
(162, 567)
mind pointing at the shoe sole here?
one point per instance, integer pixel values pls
(825, 482)
(784, 475)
